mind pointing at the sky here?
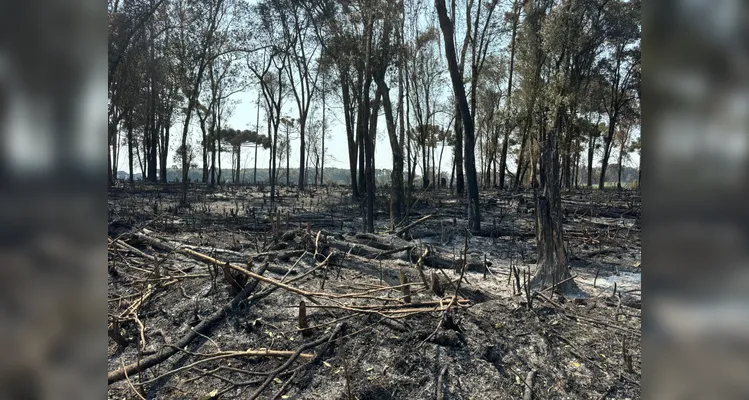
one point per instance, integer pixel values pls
(244, 117)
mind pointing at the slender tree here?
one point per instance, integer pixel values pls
(446, 25)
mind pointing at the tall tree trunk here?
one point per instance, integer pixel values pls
(360, 143)
(140, 162)
(521, 157)
(396, 176)
(152, 137)
(348, 114)
(567, 165)
(288, 155)
(424, 166)
(239, 162)
(438, 182)
(254, 169)
(577, 162)
(622, 145)
(213, 162)
(607, 144)
(302, 157)
(130, 146)
(270, 150)
(370, 162)
(460, 180)
(619, 173)
(218, 150)
(164, 145)
(404, 88)
(591, 152)
(204, 146)
(474, 216)
(110, 175)
(192, 101)
(434, 169)
(212, 144)
(552, 256)
(322, 160)
(113, 145)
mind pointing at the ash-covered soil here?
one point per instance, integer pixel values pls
(372, 344)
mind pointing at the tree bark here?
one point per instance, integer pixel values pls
(474, 216)
(608, 142)
(370, 162)
(396, 176)
(552, 256)
(322, 159)
(348, 114)
(459, 178)
(288, 155)
(130, 146)
(591, 150)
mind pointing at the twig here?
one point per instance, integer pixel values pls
(528, 395)
(419, 267)
(293, 358)
(559, 283)
(455, 296)
(231, 354)
(130, 383)
(283, 387)
(413, 224)
(203, 327)
(440, 384)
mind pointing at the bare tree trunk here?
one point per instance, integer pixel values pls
(110, 163)
(288, 155)
(396, 176)
(460, 181)
(577, 162)
(151, 138)
(204, 145)
(130, 146)
(591, 152)
(322, 159)
(521, 158)
(370, 162)
(349, 116)
(552, 256)
(619, 174)
(254, 169)
(239, 158)
(270, 150)
(438, 181)
(474, 216)
(302, 158)
(608, 142)
(424, 166)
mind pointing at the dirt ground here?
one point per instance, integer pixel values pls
(169, 279)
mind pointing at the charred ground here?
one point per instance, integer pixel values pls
(175, 274)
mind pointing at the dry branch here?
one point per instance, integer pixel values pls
(201, 329)
(293, 358)
(413, 224)
(528, 394)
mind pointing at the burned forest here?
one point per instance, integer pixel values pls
(374, 200)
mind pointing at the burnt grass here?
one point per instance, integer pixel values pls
(580, 348)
